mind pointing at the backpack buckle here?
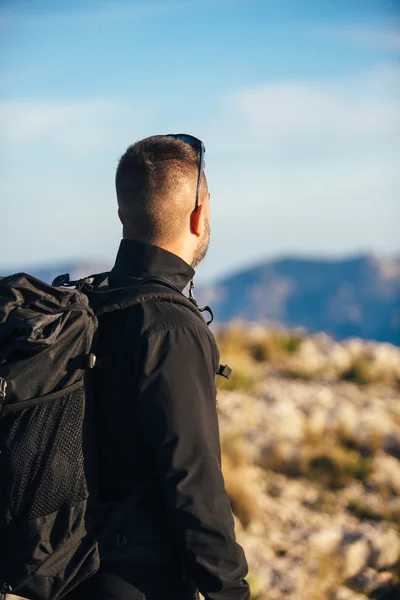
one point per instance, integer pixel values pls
(61, 280)
(64, 281)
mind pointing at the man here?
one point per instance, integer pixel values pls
(157, 398)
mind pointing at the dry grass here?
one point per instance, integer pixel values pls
(298, 371)
(233, 339)
(251, 353)
(328, 574)
(331, 465)
(362, 372)
(362, 509)
(365, 370)
(238, 479)
(336, 466)
(274, 346)
(242, 378)
(233, 350)
(255, 586)
(281, 350)
(260, 345)
(328, 439)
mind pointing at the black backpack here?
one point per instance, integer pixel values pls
(49, 543)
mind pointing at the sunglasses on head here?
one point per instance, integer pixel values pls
(200, 148)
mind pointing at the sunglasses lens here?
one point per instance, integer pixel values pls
(189, 139)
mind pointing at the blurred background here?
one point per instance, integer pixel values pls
(298, 104)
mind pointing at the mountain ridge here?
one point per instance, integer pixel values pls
(351, 296)
(354, 296)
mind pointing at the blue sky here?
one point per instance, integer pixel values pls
(297, 103)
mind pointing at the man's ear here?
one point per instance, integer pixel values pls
(196, 221)
(120, 216)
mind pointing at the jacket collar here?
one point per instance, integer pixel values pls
(137, 260)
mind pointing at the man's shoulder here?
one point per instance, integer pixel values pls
(156, 317)
(170, 314)
(175, 326)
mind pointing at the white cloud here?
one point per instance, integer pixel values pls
(309, 121)
(298, 165)
(307, 166)
(76, 126)
(23, 121)
(354, 106)
(294, 120)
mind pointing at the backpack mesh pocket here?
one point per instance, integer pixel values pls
(45, 456)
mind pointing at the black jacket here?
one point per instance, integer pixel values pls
(159, 430)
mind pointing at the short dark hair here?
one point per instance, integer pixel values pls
(151, 180)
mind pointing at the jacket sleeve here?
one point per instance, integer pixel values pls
(178, 418)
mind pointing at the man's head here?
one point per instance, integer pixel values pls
(156, 183)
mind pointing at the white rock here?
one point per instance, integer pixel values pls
(317, 423)
(344, 593)
(386, 473)
(345, 420)
(385, 549)
(326, 541)
(355, 555)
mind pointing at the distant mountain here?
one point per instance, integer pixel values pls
(49, 272)
(353, 297)
(359, 296)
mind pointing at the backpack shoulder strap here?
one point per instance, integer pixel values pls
(145, 295)
(105, 300)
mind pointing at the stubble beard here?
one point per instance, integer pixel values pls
(201, 250)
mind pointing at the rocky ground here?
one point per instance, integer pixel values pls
(310, 432)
